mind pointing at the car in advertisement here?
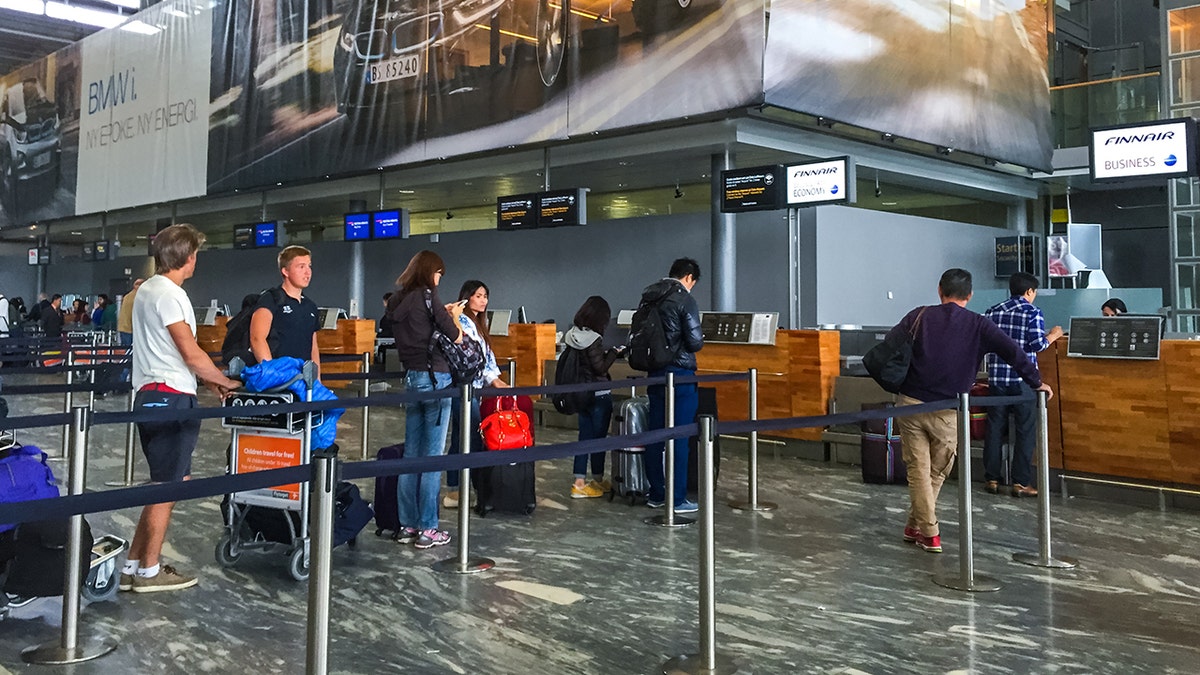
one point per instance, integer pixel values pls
(439, 66)
(30, 145)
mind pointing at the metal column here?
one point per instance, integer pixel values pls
(724, 241)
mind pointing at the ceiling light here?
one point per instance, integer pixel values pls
(889, 203)
(407, 192)
(33, 227)
(77, 233)
(27, 6)
(91, 17)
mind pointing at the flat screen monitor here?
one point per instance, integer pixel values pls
(562, 207)
(498, 320)
(516, 212)
(205, 316)
(100, 250)
(328, 317)
(89, 252)
(265, 235)
(389, 224)
(358, 226)
(33, 256)
(243, 237)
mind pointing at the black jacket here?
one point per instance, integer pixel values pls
(680, 318)
(413, 329)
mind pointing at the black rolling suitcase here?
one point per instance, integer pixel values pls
(882, 460)
(508, 488)
(707, 405)
(386, 504)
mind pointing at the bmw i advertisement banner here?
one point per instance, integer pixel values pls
(1164, 149)
(830, 181)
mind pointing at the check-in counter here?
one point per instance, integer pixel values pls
(530, 345)
(352, 336)
(795, 377)
(1126, 418)
(210, 337)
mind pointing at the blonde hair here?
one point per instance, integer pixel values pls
(174, 245)
(287, 255)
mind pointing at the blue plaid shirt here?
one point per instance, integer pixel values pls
(1022, 322)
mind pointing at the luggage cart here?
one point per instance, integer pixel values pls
(261, 442)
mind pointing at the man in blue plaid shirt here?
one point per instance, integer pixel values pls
(1024, 323)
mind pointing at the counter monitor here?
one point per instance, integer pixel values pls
(498, 320)
(747, 328)
(1115, 337)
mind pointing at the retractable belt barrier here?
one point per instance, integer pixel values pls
(15, 389)
(341, 358)
(55, 370)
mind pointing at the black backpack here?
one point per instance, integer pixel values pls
(237, 332)
(648, 349)
(571, 370)
(465, 359)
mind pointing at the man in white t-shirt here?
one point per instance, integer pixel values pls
(166, 366)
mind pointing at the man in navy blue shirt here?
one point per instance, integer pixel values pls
(285, 320)
(949, 343)
(1024, 323)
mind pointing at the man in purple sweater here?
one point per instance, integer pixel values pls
(950, 342)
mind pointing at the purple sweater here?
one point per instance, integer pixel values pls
(950, 343)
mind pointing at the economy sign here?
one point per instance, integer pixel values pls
(828, 181)
(1164, 149)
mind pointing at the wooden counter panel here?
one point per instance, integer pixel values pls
(1183, 403)
(210, 337)
(531, 345)
(814, 364)
(1048, 365)
(1114, 417)
(724, 358)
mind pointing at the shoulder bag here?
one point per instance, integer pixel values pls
(888, 362)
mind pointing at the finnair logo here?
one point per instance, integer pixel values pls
(1170, 160)
(827, 171)
(1140, 138)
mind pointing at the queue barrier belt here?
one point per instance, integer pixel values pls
(81, 388)
(55, 370)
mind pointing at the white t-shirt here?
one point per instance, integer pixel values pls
(161, 303)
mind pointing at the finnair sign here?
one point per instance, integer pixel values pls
(829, 181)
(1163, 149)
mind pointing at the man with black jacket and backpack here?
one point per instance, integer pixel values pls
(679, 315)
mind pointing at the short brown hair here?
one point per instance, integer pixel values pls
(420, 271)
(174, 245)
(287, 255)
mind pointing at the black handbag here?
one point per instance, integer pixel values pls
(887, 362)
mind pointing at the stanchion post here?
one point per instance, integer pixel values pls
(366, 411)
(669, 519)
(708, 661)
(512, 372)
(323, 487)
(129, 457)
(1044, 557)
(70, 649)
(463, 563)
(966, 580)
(67, 400)
(751, 503)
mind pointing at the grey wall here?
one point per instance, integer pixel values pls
(17, 277)
(862, 255)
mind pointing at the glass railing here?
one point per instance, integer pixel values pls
(1101, 103)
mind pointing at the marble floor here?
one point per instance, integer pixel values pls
(822, 585)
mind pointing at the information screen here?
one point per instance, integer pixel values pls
(265, 235)
(516, 212)
(44, 255)
(755, 189)
(89, 252)
(358, 226)
(100, 250)
(1115, 337)
(33, 256)
(386, 224)
(747, 328)
(562, 207)
(243, 237)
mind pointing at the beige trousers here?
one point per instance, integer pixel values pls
(930, 442)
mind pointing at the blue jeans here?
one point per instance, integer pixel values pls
(593, 423)
(1025, 414)
(455, 423)
(424, 436)
(126, 339)
(687, 399)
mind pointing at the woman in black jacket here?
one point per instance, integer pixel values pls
(415, 311)
(586, 335)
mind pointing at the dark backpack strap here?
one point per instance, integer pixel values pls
(429, 346)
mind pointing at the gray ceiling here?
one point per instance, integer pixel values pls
(25, 38)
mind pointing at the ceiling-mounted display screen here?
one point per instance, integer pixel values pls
(1165, 149)
(265, 235)
(88, 252)
(33, 256)
(758, 188)
(830, 181)
(516, 212)
(357, 226)
(389, 224)
(243, 237)
(100, 250)
(562, 207)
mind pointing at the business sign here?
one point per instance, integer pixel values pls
(516, 212)
(758, 188)
(1164, 149)
(830, 181)
(1015, 254)
(562, 207)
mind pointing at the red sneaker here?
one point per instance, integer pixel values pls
(911, 534)
(931, 544)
